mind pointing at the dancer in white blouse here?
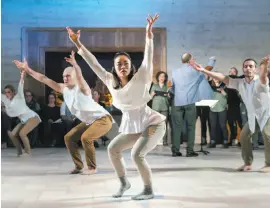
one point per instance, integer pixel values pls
(96, 121)
(141, 127)
(16, 107)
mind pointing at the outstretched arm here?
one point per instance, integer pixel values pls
(81, 81)
(265, 63)
(38, 76)
(89, 57)
(215, 75)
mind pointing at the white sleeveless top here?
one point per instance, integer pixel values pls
(17, 106)
(83, 106)
(132, 99)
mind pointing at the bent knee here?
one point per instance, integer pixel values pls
(136, 156)
(67, 138)
(22, 134)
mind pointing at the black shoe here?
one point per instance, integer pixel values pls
(255, 147)
(192, 154)
(176, 154)
(225, 146)
(96, 144)
(165, 144)
(212, 145)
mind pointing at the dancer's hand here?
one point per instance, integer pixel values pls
(196, 66)
(265, 61)
(71, 59)
(23, 66)
(149, 26)
(74, 37)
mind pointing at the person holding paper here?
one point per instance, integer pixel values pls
(160, 99)
(218, 114)
(189, 87)
(255, 94)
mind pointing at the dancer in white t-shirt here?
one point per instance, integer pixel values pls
(141, 128)
(15, 106)
(96, 121)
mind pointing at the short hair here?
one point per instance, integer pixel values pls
(235, 69)
(250, 59)
(162, 72)
(186, 57)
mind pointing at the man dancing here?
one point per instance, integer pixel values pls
(96, 121)
(254, 91)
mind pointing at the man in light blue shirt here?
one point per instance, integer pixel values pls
(189, 86)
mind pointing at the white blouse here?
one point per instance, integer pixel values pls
(132, 99)
(83, 106)
(256, 97)
(17, 106)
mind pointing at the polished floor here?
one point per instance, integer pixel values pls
(204, 182)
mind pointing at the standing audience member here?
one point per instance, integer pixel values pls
(189, 87)
(218, 114)
(233, 113)
(160, 102)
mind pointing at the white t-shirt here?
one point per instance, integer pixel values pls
(17, 106)
(83, 106)
(132, 99)
(256, 97)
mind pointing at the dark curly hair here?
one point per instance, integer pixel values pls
(166, 76)
(133, 70)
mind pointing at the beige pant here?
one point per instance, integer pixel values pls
(246, 143)
(141, 144)
(87, 134)
(23, 130)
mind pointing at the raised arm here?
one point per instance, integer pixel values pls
(81, 81)
(21, 84)
(214, 75)
(149, 45)
(88, 56)
(264, 67)
(38, 76)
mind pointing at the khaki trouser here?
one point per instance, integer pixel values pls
(246, 143)
(141, 144)
(22, 130)
(87, 134)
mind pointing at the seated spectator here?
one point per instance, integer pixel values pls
(51, 117)
(34, 106)
(96, 97)
(5, 127)
(69, 120)
(31, 102)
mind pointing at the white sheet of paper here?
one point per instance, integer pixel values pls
(210, 103)
(58, 121)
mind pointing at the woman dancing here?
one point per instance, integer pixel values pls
(96, 121)
(141, 128)
(15, 105)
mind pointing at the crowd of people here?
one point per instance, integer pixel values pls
(85, 120)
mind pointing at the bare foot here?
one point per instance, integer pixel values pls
(265, 169)
(89, 171)
(245, 168)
